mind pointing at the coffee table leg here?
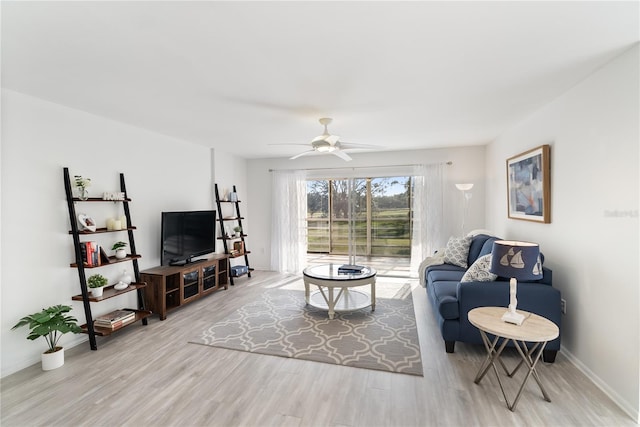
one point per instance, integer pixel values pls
(373, 295)
(306, 292)
(331, 303)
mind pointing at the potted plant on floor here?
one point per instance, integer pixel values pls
(51, 323)
(96, 283)
(119, 248)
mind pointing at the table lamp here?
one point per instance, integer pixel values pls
(519, 261)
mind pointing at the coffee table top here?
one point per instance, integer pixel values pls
(534, 328)
(330, 272)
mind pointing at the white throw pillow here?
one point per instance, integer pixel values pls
(457, 251)
(479, 271)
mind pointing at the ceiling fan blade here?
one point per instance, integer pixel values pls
(291, 143)
(304, 153)
(355, 146)
(344, 156)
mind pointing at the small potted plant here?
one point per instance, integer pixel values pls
(119, 248)
(238, 230)
(82, 184)
(96, 283)
(51, 323)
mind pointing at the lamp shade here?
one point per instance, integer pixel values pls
(464, 187)
(519, 260)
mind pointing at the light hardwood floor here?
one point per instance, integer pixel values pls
(151, 376)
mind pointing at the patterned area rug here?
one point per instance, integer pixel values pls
(281, 324)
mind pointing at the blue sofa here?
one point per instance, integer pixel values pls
(452, 299)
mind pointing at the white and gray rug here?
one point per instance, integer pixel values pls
(281, 324)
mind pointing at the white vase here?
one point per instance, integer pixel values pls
(53, 360)
(121, 253)
(97, 292)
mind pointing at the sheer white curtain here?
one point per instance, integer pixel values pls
(288, 221)
(427, 213)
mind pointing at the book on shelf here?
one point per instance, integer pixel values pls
(350, 269)
(114, 316)
(91, 254)
(117, 324)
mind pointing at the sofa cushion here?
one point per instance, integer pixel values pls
(457, 251)
(445, 293)
(479, 271)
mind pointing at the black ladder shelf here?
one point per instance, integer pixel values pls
(109, 291)
(226, 239)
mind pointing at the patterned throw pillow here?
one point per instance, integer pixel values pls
(479, 271)
(457, 251)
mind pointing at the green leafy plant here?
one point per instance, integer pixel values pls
(97, 281)
(81, 182)
(118, 245)
(237, 229)
(50, 323)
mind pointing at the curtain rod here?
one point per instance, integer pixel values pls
(449, 163)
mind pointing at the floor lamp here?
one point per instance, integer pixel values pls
(466, 196)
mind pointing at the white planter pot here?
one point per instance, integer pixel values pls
(53, 360)
(97, 292)
(121, 253)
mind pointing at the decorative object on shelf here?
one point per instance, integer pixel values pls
(466, 196)
(81, 184)
(51, 323)
(529, 184)
(125, 281)
(238, 230)
(86, 222)
(233, 196)
(118, 247)
(113, 195)
(519, 261)
(96, 282)
(120, 286)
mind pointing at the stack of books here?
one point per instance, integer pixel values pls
(350, 269)
(115, 319)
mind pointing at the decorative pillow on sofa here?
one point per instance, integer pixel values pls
(457, 251)
(479, 271)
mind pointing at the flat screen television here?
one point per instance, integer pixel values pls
(186, 235)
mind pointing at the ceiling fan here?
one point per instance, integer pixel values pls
(330, 144)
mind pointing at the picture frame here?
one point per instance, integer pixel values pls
(529, 185)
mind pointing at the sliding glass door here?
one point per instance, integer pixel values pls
(374, 213)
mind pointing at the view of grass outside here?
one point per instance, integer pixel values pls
(382, 216)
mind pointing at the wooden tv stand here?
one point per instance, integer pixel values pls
(169, 287)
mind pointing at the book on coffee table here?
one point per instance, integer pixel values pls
(350, 269)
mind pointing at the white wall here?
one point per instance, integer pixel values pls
(40, 138)
(592, 241)
(468, 166)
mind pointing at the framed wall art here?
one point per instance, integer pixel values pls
(528, 185)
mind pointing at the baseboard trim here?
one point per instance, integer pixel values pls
(25, 363)
(612, 394)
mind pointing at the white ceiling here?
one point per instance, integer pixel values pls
(242, 75)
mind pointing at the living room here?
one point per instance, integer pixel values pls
(591, 243)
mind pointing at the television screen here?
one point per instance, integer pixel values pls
(186, 235)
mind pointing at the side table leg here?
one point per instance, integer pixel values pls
(531, 364)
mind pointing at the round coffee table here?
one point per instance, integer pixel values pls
(326, 277)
